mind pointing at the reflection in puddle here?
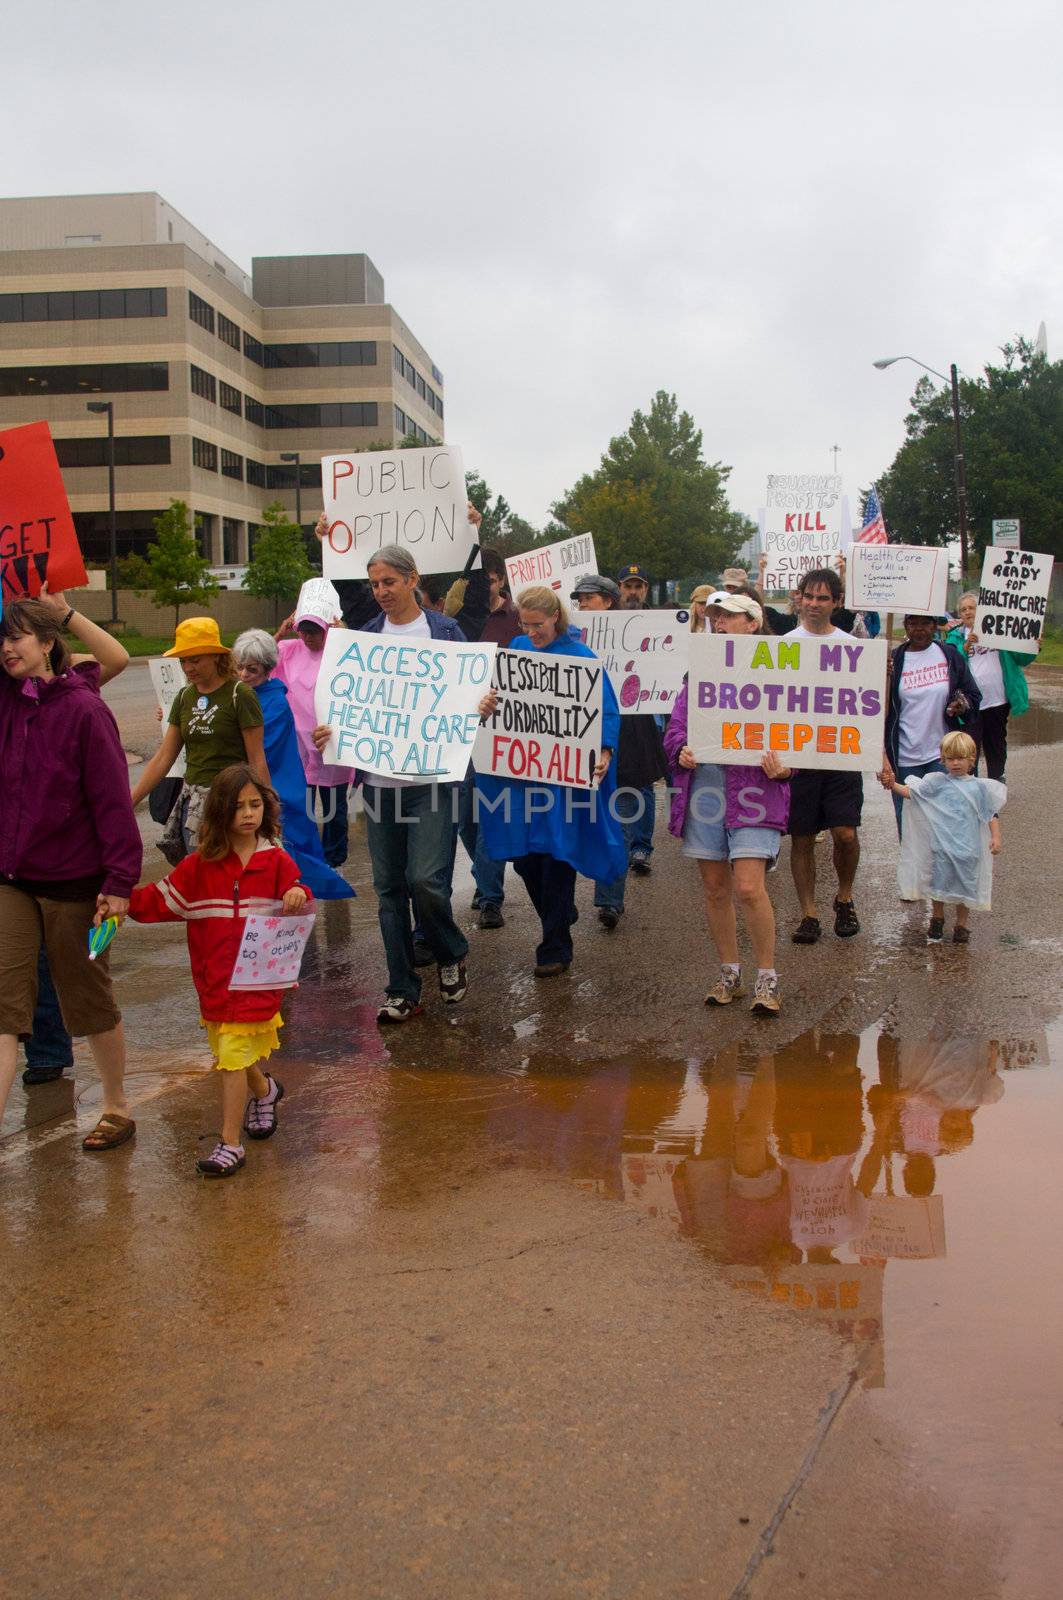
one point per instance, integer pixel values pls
(1041, 724)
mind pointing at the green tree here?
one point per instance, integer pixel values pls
(1012, 426)
(654, 499)
(279, 565)
(134, 573)
(177, 573)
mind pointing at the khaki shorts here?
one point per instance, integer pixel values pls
(83, 986)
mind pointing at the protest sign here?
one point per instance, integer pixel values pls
(802, 526)
(37, 539)
(558, 566)
(547, 727)
(271, 951)
(645, 654)
(905, 578)
(402, 708)
(903, 1227)
(1013, 599)
(1006, 533)
(815, 702)
(844, 1296)
(414, 498)
(168, 679)
(318, 598)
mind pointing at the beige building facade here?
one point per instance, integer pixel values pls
(213, 374)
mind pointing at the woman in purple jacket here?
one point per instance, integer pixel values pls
(70, 848)
(731, 821)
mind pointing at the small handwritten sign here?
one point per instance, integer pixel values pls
(907, 578)
(802, 525)
(645, 654)
(168, 679)
(1013, 599)
(559, 566)
(271, 951)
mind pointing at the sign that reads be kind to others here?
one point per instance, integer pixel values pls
(413, 498)
(402, 708)
(547, 727)
(814, 702)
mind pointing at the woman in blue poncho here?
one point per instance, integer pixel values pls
(550, 832)
(255, 656)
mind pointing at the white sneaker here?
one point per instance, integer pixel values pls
(728, 988)
(765, 994)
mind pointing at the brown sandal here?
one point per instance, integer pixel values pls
(110, 1131)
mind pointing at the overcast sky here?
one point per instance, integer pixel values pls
(575, 203)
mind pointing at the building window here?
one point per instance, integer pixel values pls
(401, 424)
(228, 332)
(345, 414)
(204, 455)
(82, 305)
(254, 411)
(117, 377)
(200, 312)
(232, 465)
(345, 353)
(284, 477)
(256, 473)
(203, 384)
(130, 450)
(230, 534)
(203, 522)
(229, 399)
(254, 350)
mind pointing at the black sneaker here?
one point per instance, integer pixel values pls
(491, 916)
(422, 954)
(845, 922)
(807, 931)
(609, 917)
(935, 931)
(453, 983)
(42, 1074)
(640, 863)
(397, 1008)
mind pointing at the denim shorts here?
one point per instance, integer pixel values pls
(706, 836)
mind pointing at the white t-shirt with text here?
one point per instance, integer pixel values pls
(924, 694)
(417, 629)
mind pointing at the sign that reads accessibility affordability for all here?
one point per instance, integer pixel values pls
(401, 709)
(906, 578)
(1013, 599)
(559, 566)
(547, 727)
(802, 525)
(814, 702)
(37, 539)
(645, 654)
(413, 498)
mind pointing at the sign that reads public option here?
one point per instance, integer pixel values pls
(1006, 533)
(802, 525)
(906, 578)
(1013, 599)
(37, 539)
(645, 654)
(413, 498)
(559, 566)
(814, 702)
(547, 727)
(402, 708)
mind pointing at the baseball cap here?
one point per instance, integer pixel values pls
(595, 583)
(633, 572)
(743, 603)
(736, 575)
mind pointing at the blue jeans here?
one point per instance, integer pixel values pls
(333, 798)
(635, 810)
(903, 774)
(410, 834)
(49, 1045)
(488, 876)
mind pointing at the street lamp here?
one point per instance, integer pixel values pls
(99, 407)
(293, 455)
(961, 479)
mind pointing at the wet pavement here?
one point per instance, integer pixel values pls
(582, 1290)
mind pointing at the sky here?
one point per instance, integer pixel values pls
(577, 203)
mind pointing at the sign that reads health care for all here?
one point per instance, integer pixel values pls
(1013, 600)
(401, 708)
(906, 578)
(814, 702)
(547, 727)
(802, 525)
(413, 498)
(644, 652)
(559, 566)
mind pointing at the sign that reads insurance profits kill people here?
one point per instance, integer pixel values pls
(802, 525)
(413, 498)
(1013, 600)
(401, 709)
(547, 727)
(814, 702)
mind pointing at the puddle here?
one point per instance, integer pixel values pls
(1041, 724)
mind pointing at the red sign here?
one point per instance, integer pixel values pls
(37, 539)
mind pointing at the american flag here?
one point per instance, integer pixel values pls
(874, 528)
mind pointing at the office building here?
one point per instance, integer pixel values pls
(215, 375)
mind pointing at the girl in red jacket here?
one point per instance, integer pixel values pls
(238, 869)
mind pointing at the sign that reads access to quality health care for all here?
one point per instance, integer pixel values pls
(645, 654)
(559, 566)
(906, 578)
(814, 702)
(1013, 600)
(413, 498)
(402, 708)
(802, 526)
(547, 727)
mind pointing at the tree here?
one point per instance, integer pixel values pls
(279, 565)
(1012, 425)
(655, 500)
(178, 574)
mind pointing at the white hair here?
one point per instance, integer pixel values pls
(256, 648)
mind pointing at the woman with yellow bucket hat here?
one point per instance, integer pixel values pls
(215, 719)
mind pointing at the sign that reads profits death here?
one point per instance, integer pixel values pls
(559, 566)
(907, 578)
(645, 654)
(401, 709)
(1013, 600)
(802, 525)
(37, 539)
(814, 702)
(413, 498)
(547, 727)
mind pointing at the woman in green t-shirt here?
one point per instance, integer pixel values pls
(215, 719)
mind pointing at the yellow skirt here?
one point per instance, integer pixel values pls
(236, 1046)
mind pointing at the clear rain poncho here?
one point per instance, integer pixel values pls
(945, 847)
